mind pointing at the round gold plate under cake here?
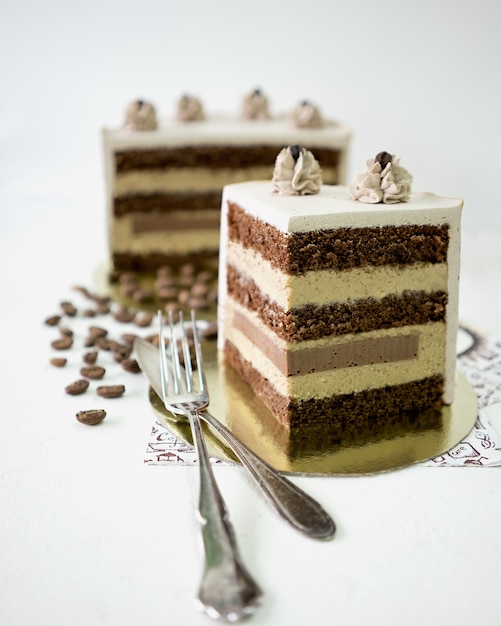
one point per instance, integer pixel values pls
(303, 452)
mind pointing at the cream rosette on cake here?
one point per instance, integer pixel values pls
(255, 106)
(189, 109)
(384, 180)
(306, 115)
(296, 172)
(140, 116)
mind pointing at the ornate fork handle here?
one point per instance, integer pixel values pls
(227, 591)
(294, 505)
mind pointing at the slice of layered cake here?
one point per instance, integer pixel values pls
(336, 310)
(164, 177)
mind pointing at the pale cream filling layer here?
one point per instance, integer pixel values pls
(322, 287)
(429, 360)
(125, 238)
(194, 179)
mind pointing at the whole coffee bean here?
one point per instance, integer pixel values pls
(130, 365)
(143, 295)
(93, 371)
(91, 417)
(124, 315)
(78, 387)
(95, 334)
(53, 320)
(103, 308)
(143, 320)
(58, 362)
(69, 309)
(90, 357)
(111, 391)
(62, 344)
(121, 352)
(128, 338)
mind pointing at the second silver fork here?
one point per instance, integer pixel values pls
(227, 590)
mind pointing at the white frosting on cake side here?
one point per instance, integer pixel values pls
(228, 130)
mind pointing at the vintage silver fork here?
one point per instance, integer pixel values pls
(227, 591)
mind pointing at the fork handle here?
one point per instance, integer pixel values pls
(227, 590)
(294, 505)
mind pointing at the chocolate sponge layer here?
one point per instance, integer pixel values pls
(341, 248)
(409, 308)
(211, 156)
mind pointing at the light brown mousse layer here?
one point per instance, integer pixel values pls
(321, 359)
(154, 222)
(365, 411)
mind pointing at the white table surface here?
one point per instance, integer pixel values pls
(90, 535)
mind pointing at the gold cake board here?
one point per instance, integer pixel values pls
(234, 403)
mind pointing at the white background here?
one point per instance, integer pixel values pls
(88, 534)
(419, 79)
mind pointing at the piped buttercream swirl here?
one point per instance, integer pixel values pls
(307, 115)
(140, 116)
(296, 172)
(189, 109)
(255, 106)
(384, 180)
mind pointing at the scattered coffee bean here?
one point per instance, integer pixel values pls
(58, 362)
(183, 297)
(53, 320)
(103, 343)
(128, 338)
(94, 372)
(111, 391)
(187, 269)
(103, 308)
(90, 357)
(164, 270)
(62, 344)
(128, 289)
(199, 290)
(83, 290)
(78, 387)
(197, 303)
(91, 417)
(121, 352)
(66, 332)
(124, 315)
(128, 277)
(167, 293)
(69, 309)
(97, 331)
(143, 295)
(143, 319)
(89, 313)
(131, 365)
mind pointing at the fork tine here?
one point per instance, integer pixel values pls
(174, 352)
(186, 354)
(164, 369)
(198, 353)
